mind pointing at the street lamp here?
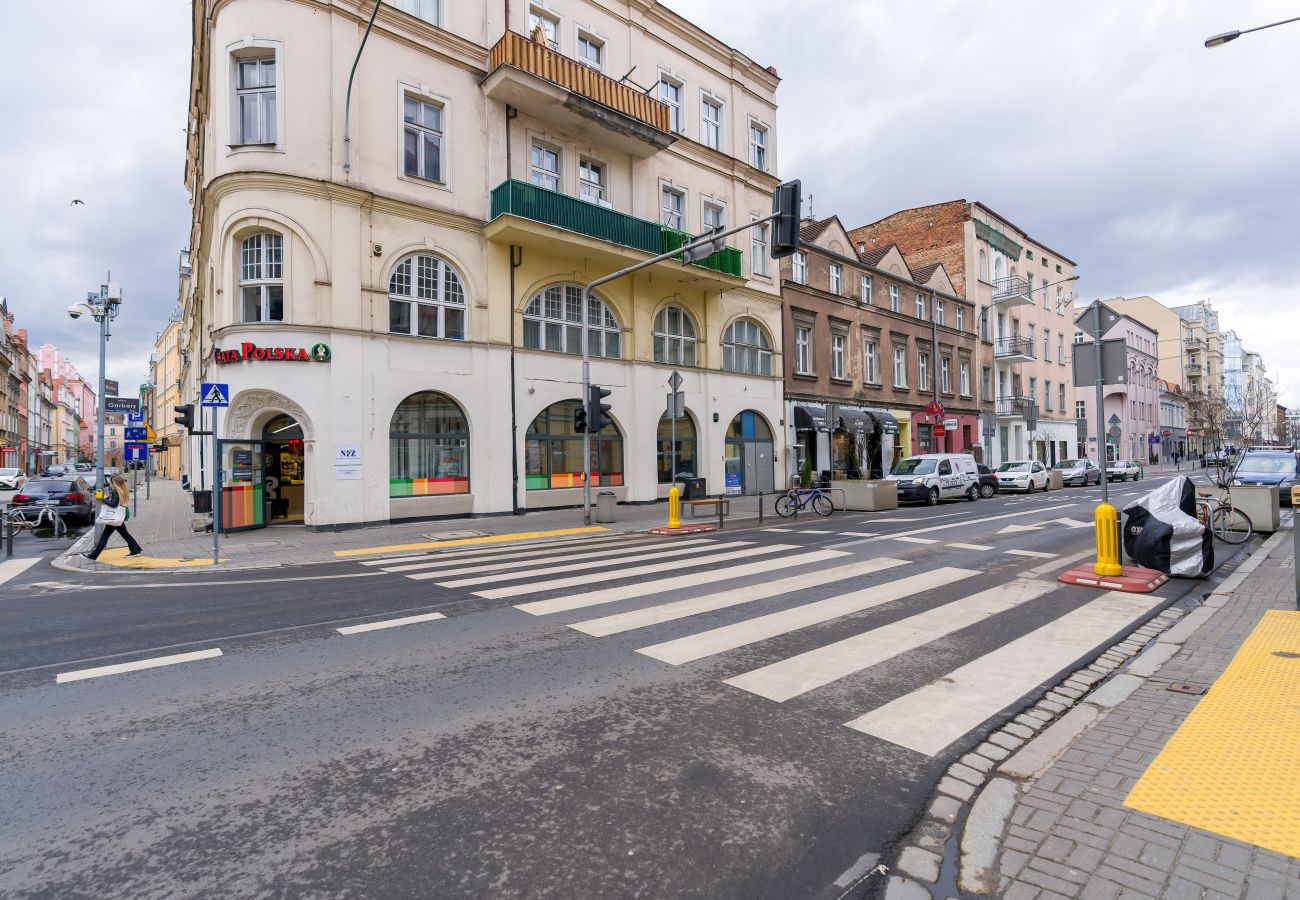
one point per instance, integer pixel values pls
(103, 306)
(1220, 39)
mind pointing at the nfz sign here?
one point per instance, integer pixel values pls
(249, 352)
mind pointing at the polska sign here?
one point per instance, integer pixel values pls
(252, 353)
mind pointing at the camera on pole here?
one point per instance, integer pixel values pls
(703, 251)
(598, 413)
(787, 201)
(186, 417)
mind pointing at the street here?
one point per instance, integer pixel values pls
(620, 716)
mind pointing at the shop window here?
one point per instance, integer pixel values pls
(686, 461)
(553, 451)
(428, 447)
(426, 298)
(261, 278)
(674, 337)
(553, 321)
(746, 349)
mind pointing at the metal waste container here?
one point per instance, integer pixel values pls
(695, 489)
(605, 501)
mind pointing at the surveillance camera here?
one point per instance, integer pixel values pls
(75, 310)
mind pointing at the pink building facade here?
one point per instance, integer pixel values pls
(1132, 407)
(61, 369)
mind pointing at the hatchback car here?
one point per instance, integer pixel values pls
(71, 498)
(12, 479)
(988, 481)
(1124, 470)
(1022, 475)
(1269, 467)
(1078, 471)
(56, 471)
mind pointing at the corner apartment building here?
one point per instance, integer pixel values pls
(398, 315)
(1131, 407)
(1021, 288)
(870, 343)
(165, 395)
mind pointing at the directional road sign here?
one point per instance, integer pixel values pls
(215, 394)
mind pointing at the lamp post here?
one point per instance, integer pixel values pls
(1220, 39)
(102, 306)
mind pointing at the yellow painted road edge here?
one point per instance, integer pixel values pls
(466, 542)
(1230, 768)
(117, 557)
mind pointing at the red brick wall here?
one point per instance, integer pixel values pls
(928, 234)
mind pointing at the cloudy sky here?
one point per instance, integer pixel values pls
(1105, 129)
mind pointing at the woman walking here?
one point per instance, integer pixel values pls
(112, 516)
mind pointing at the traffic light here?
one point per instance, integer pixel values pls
(186, 417)
(703, 251)
(597, 412)
(787, 200)
(580, 419)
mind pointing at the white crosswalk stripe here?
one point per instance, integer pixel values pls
(679, 582)
(525, 558)
(1033, 554)
(501, 549)
(799, 674)
(956, 546)
(729, 637)
(915, 540)
(678, 551)
(930, 718)
(681, 609)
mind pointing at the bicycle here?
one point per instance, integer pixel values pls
(46, 515)
(789, 503)
(1229, 524)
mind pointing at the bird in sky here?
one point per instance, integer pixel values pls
(77, 203)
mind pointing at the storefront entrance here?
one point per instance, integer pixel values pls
(750, 455)
(284, 470)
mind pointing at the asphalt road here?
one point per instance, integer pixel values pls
(497, 751)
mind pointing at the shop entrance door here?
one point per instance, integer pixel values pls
(243, 491)
(284, 471)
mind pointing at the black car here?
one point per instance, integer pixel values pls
(988, 482)
(71, 498)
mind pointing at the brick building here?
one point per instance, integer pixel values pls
(860, 361)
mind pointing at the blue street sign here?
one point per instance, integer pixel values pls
(136, 434)
(214, 394)
(137, 416)
(137, 452)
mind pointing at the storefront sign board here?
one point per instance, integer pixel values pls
(347, 462)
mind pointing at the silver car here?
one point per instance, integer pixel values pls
(12, 479)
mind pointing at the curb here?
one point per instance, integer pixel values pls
(989, 778)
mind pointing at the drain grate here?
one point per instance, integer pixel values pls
(452, 535)
(1186, 687)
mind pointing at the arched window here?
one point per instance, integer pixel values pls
(984, 266)
(687, 459)
(999, 267)
(746, 349)
(674, 337)
(428, 447)
(426, 298)
(261, 278)
(553, 451)
(553, 321)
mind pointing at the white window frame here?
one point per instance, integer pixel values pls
(758, 248)
(676, 348)
(760, 150)
(709, 127)
(537, 16)
(963, 375)
(938, 312)
(945, 374)
(676, 108)
(839, 355)
(441, 299)
(895, 299)
(799, 265)
(803, 350)
(866, 290)
(261, 274)
(900, 366)
(1060, 394)
(1047, 396)
(920, 307)
(600, 195)
(871, 360)
(567, 329)
(417, 95)
(923, 370)
(584, 37)
(533, 168)
(667, 212)
(759, 352)
(961, 317)
(256, 48)
(707, 221)
(836, 278)
(1047, 345)
(420, 9)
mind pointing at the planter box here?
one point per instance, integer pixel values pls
(1054, 480)
(1259, 503)
(865, 496)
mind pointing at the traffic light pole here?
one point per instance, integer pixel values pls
(711, 238)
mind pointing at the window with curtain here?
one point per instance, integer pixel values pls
(553, 321)
(553, 451)
(428, 447)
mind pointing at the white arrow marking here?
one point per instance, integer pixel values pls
(1075, 523)
(1011, 529)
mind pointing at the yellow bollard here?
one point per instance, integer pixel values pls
(674, 507)
(1107, 519)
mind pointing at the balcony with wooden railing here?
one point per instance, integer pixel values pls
(548, 85)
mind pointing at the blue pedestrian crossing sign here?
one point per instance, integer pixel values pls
(214, 394)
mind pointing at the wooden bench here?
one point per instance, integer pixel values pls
(714, 502)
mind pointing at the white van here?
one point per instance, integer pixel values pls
(932, 477)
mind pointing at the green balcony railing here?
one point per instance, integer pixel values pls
(528, 201)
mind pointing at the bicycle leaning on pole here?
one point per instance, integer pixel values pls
(796, 499)
(1225, 521)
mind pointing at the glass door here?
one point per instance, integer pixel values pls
(243, 485)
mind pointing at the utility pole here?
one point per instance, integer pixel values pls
(1101, 413)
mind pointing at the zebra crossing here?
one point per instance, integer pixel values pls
(786, 615)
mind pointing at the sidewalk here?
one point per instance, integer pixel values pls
(162, 525)
(1120, 784)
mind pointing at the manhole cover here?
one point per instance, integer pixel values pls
(452, 535)
(1186, 687)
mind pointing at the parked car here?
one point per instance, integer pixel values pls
(1026, 475)
(1124, 470)
(988, 481)
(83, 468)
(12, 479)
(1279, 467)
(932, 477)
(1078, 471)
(72, 498)
(55, 471)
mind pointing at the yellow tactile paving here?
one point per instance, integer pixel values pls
(1233, 768)
(465, 542)
(117, 557)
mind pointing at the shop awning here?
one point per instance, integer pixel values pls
(886, 422)
(855, 420)
(810, 417)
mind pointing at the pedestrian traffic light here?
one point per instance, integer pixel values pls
(597, 413)
(786, 202)
(186, 417)
(580, 419)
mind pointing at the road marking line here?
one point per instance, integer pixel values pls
(454, 567)
(778, 529)
(930, 718)
(668, 612)
(729, 637)
(915, 540)
(686, 582)
(672, 552)
(389, 623)
(858, 533)
(1056, 564)
(541, 547)
(649, 569)
(101, 671)
(1036, 554)
(814, 531)
(12, 568)
(981, 521)
(799, 674)
(981, 547)
(469, 542)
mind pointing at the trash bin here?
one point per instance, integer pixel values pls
(695, 489)
(605, 501)
(202, 501)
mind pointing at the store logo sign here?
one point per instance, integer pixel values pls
(252, 353)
